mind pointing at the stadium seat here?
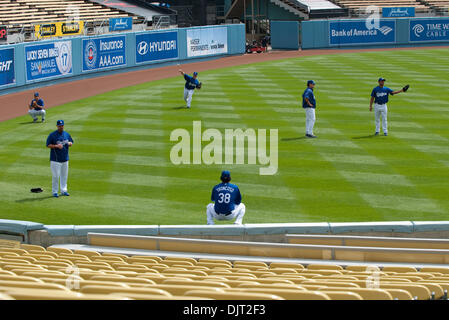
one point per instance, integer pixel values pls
(366, 294)
(221, 261)
(399, 269)
(324, 267)
(95, 289)
(342, 295)
(207, 283)
(29, 247)
(87, 253)
(286, 265)
(5, 285)
(4, 296)
(357, 268)
(191, 260)
(59, 250)
(239, 295)
(416, 290)
(331, 283)
(434, 269)
(137, 296)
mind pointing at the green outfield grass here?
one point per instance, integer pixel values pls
(120, 170)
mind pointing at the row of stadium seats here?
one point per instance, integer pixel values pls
(33, 272)
(28, 12)
(358, 6)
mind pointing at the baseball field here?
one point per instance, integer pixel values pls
(121, 172)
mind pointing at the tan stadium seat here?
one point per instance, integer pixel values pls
(94, 266)
(14, 250)
(435, 289)
(399, 269)
(401, 276)
(155, 278)
(89, 274)
(170, 263)
(287, 294)
(83, 283)
(432, 269)
(331, 283)
(128, 281)
(215, 261)
(17, 269)
(8, 254)
(399, 294)
(21, 258)
(324, 267)
(283, 270)
(366, 294)
(18, 278)
(159, 259)
(270, 286)
(286, 265)
(49, 274)
(41, 294)
(249, 267)
(416, 290)
(5, 273)
(205, 283)
(236, 295)
(191, 260)
(336, 277)
(59, 250)
(87, 253)
(106, 258)
(136, 296)
(236, 283)
(250, 263)
(125, 273)
(32, 247)
(212, 265)
(137, 270)
(108, 254)
(115, 289)
(362, 268)
(295, 280)
(273, 281)
(195, 267)
(4, 285)
(173, 270)
(317, 272)
(342, 295)
(423, 275)
(4, 296)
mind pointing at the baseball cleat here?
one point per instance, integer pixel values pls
(55, 195)
(43, 120)
(34, 120)
(312, 136)
(376, 134)
(385, 134)
(65, 194)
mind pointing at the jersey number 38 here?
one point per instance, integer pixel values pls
(224, 197)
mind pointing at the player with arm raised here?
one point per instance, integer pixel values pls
(379, 96)
(227, 202)
(192, 83)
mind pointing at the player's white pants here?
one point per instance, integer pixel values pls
(59, 173)
(310, 120)
(380, 110)
(188, 96)
(237, 214)
(34, 113)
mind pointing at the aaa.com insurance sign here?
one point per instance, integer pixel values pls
(429, 30)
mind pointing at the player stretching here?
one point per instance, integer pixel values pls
(59, 142)
(309, 105)
(192, 83)
(227, 201)
(36, 108)
(379, 96)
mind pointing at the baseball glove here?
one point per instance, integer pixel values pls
(36, 190)
(406, 88)
(199, 85)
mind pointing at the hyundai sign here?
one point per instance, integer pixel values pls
(351, 32)
(156, 46)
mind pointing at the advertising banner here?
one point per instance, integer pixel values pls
(48, 60)
(59, 29)
(429, 30)
(156, 46)
(120, 24)
(207, 41)
(350, 32)
(3, 33)
(7, 75)
(398, 12)
(101, 53)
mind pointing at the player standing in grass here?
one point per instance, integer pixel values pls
(379, 96)
(59, 142)
(309, 105)
(192, 83)
(227, 202)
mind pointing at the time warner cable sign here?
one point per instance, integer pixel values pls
(101, 53)
(156, 46)
(350, 32)
(7, 75)
(48, 60)
(429, 30)
(207, 41)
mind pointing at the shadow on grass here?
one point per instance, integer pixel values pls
(364, 137)
(293, 139)
(179, 108)
(29, 122)
(33, 199)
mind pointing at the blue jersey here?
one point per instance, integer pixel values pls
(59, 155)
(226, 196)
(190, 82)
(39, 102)
(380, 94)
(308, 93)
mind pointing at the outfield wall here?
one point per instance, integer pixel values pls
(366, 33)
(42, 63)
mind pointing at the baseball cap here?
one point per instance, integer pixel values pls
(310, 82)
(381, 79)
(36, 94)
(225, 174)
(195, 73)
(60, 122)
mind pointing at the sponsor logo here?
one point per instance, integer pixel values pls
(90, 54)
(64, 59)
(418, 29)
(3, 33)
(70, 28)
(142, 48)
(385, 30)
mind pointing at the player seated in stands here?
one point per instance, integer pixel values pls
(227, 202)
(36, 108)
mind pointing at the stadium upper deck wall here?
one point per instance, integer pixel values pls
(390, 32)
(47, 62)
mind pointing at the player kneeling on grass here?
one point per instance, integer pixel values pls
(192, 83)
(227, 201)
(36, 108)
(379, 96)
(59, 142)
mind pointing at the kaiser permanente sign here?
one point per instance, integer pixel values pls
(349, 32)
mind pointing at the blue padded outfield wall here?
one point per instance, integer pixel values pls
(389, 32)
(284, 35)
(40, 63)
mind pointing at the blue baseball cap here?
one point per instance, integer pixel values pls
(310, 82)
(60, 122)
(195, 73)
(225, 174)
(381, 79)
(36, 94)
